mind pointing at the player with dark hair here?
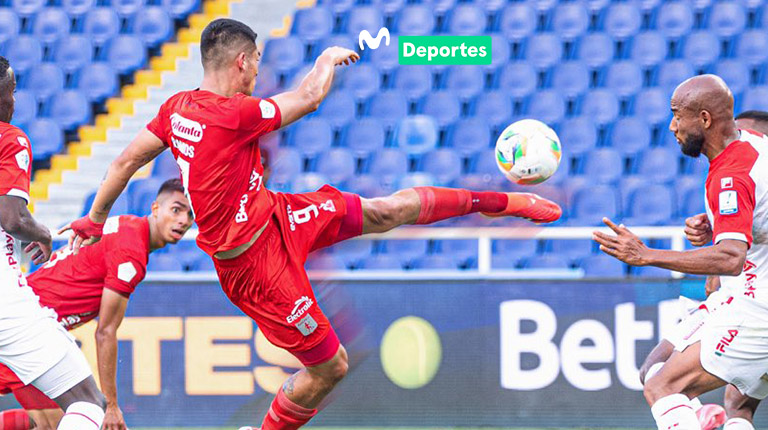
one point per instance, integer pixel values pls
(33, 343)
(97, 282)
(728, 346)
(259, 240)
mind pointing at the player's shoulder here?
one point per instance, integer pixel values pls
(127, 232)
(265, 108)
(10, 135)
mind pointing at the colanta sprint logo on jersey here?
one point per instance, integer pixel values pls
(186, 128)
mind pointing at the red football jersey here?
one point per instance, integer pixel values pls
(15, 162)
(215, 141)
(72, 285)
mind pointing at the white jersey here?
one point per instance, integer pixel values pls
(737, 207)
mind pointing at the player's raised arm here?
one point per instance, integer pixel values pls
(111, 314)
(314, 87)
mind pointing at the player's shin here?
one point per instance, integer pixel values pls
(738, 424)
(438, 203)
(14, 419)
(82, 416)
(675, 412)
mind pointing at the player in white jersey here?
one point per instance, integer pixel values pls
(734, 337)
(32, 343)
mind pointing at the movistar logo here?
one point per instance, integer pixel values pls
(366, 37)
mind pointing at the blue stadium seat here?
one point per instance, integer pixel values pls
(417, 134)
(386, 58)
(756, 98)
(570, 20)
(673, 73)
(630, 135)
(571, 78)
(126, 54)
(73, 52)
(138, 188)
(596, 49)
(45, 80)
(406, 248)
(77, 8)
(413, 82)
(650, 272)
(543, 6)
(98, 81)
(370, 186)
(491, 6)
(547, 106)
(388, 107)
(727, 19)
(444, 165)
(27, 8)
(518, 79)
(701, 48)
(591, 204)
(23, 52)
(547, 261)
(602, 266)
(675, 19)
(312, 136)
(267, 83)
(337, 6)
(337, 165)
(604, 165)
(165, 166)
(101, 24)
(735, 73)
(622, 20)
(752, 47)
(389, 165)
(336, 40)
(71, 109)
(518, 21)
(381, 262)
(312, 24)
(153, 25)
(466, 20)
(496, 108)
(504, 262)
(652, 105)
(164, 263)
(10, 25)
(121, 206)
(364, 18)
(514, 249)
(359, 248)
(418, 179)
(179, 9)
(470, 136)
(500, 53)
(363, 80)
(459, 248)
(628, 184)
(444, 106)
(325, 262)
(416, 20)
(25, 109)
(570, 248)
(203, 263)
(127, 8)
(700, 5)
(692, 201)
(752, 4)
(286, 164)
(465, 81)
(46, 136)
(437, 262)
(441, 6)
(284, 54)
(580, 134)
(659, 164)
(651, 205)
(602, 105)
(51, 24)
(308, 182)
(365, 136)
(624, 78)
(649, 48)
(389, 7)
(338, 109)
(544, 50)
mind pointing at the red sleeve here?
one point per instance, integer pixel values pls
(126, 267)
(259, 116)
(158, 125)
(15, 164)
(731, 198)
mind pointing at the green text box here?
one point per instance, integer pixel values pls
(444, 50)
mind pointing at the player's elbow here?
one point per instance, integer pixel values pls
(104, 334)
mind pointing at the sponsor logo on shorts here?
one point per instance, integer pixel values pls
(301, 307)
(186, 128)
(725, 341)
(307, 325)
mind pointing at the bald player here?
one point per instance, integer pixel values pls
(731, 344)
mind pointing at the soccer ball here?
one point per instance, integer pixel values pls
(528, 152)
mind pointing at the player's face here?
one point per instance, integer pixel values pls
(686, 127)
(250, 71)
(7, 98)
(173, 215)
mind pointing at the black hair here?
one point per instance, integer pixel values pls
(756, 115)
(220, 37)
(4, 66)
(170, 186)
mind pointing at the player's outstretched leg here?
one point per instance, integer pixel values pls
(426, 205)
(740, 409)
(83, 406)
(15, 419)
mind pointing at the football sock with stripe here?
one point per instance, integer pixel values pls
(439, 203)
(284, 414)
(738, 424)
(674, 412)
(14, 419)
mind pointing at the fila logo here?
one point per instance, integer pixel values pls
(726, 183)
(186, 128)
(365, 38)
(725, 341)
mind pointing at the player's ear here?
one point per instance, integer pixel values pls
(706, 119)
(242, 59)
(155, 208)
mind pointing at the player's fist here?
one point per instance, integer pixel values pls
(84, 232)
(698, 231)
(113, 419)
(341, 55)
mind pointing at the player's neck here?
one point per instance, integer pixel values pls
(155, 239)
(722, 141)
(219, 83)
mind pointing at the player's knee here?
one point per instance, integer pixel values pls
(384, 212)
(738, 405)
(654, 389)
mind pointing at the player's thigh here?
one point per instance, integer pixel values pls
(69, 380)
(31, 398)
(46, 419)
(682, 373)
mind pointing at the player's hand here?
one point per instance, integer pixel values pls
(712, 284)
(113, 419)
(84, 232)
(624, 246)
(341, 55)
(698, 230)
(40, 252)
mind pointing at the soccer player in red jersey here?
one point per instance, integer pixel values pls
(729, 347)
(97, 282)
(259, 240)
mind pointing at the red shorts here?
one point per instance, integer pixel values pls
(268, 281)
(28, 396)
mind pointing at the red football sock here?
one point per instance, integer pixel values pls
(283, 414)
(14, 419)
(438, 204)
